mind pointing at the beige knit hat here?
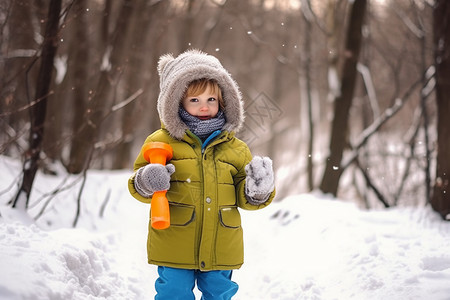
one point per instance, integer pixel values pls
(175, 76)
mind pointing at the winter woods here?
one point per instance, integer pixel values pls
(348, 97)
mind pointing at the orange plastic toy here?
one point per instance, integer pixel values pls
(158, 153)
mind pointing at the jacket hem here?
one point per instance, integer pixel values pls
(194, 267)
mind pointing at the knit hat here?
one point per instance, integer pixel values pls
(175, 76)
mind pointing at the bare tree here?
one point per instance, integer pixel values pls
(342, 104)
(307, 60)
(111, 69)
(441, 26)
(79, 77)
(139, 76)
(406, 162)
(38, 111)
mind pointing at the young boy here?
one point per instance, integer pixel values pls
(211, 175)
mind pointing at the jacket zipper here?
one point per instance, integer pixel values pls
(201, 213)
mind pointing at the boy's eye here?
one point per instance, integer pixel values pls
(212, 99)
(193, 100)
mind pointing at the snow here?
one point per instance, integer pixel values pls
(306, 246)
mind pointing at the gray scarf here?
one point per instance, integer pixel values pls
(202, 128)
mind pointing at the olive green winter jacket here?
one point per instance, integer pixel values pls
(207, 187)
(205, 193)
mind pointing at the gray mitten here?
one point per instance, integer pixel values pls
(259, 183)
(152, 178)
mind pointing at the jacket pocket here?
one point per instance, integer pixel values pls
(176, 244)
(230, 217)
(180, 214)
(229, 243)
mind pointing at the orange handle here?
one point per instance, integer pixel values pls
(160, 214)
(158, 153)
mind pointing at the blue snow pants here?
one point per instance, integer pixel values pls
(175, 284)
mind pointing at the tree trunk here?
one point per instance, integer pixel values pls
(440, 200)
(343, 102)
(136, 79)
(79, 78)
(99, 104)
(308, 101)
(38, 111)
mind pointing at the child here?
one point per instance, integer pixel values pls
(211, 174)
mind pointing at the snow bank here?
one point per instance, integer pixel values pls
(314, 248)
(62, 264)
(304, 247)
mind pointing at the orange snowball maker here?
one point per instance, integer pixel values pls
(158, 153)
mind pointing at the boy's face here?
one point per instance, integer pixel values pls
(204, 106)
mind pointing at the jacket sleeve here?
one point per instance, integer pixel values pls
(239, 181)
(138, 163)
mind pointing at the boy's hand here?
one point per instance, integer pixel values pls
(153, 177)
(259, 183)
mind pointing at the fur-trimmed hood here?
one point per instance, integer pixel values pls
(175, 76)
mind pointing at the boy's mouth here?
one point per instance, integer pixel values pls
(203, 118)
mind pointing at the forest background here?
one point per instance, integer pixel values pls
(347, 97)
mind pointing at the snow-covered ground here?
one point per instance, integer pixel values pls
(304, 247)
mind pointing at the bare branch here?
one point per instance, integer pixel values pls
(62, 187)
(219, 2)
(411, 137)
(418, 32)
(80, 192)
(311, 16)
(29, 105)
(105, 202)
(128, 100)
(15, 181)
(372, 185)
(368, 83)
(387, 114)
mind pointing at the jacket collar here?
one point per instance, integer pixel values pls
(221, 137)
